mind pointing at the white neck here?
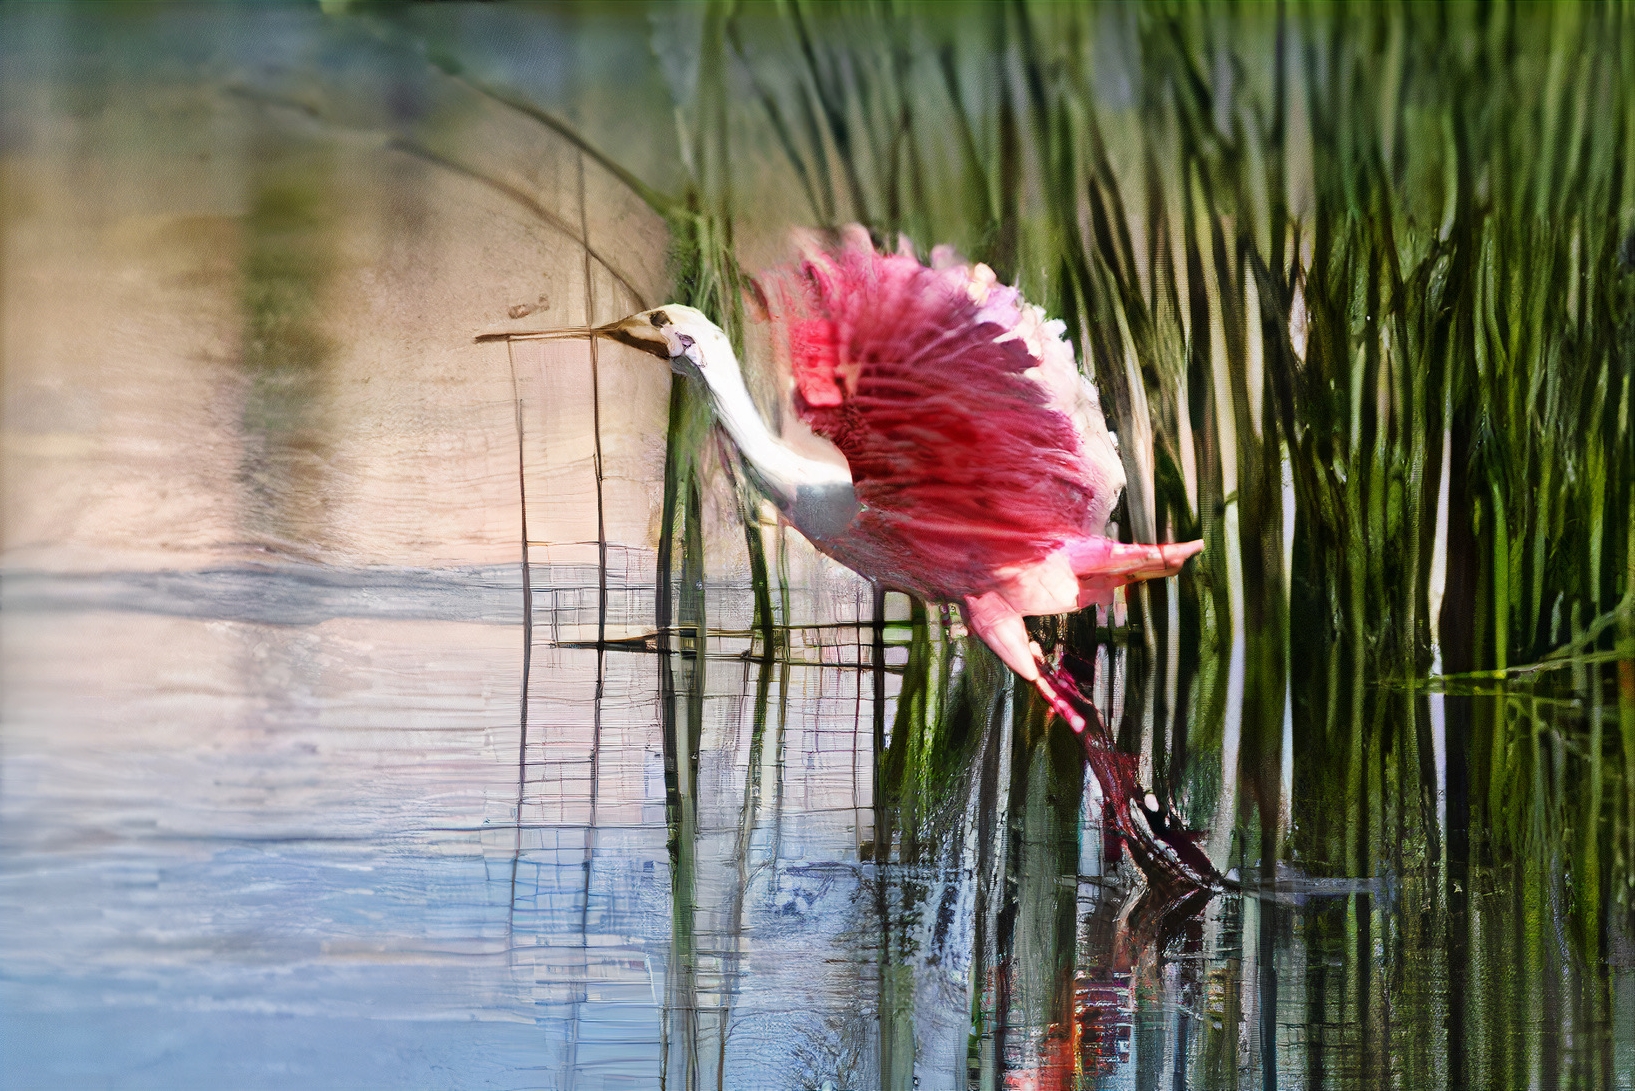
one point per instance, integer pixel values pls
(779, 469)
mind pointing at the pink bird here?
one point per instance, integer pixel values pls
(970, 460)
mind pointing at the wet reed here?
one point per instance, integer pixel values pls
(1357, 285)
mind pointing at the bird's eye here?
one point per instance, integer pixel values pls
(686, 342)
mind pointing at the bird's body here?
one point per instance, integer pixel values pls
(978, 467)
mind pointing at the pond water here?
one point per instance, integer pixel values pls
(279, 826)
(308, 781)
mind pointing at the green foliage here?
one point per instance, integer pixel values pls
(1318, 257)
(1309, 254)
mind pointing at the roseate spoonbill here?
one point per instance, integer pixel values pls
(971, 462)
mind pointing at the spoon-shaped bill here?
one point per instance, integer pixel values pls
(558, 333)
(637, 331)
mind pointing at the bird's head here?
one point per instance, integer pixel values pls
(673, 332)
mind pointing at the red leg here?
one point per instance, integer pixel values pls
(1064, 680)
(1002, 629)
(1101, 560)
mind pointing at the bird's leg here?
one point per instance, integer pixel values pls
(1103, 561)
(1102, 565)
(1097, 591)
(1161, 845)
(1087, 720)
(1001, 628)
(1114, 770)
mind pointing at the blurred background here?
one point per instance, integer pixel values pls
(387, 707)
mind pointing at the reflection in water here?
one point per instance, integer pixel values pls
(397, 817)
(283, 849)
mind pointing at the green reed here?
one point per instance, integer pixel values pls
(1324, 238)
(1318, 257)
(1316, 252)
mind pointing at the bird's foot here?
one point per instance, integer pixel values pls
(1154, 833)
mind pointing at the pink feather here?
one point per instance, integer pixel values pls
(982, 465)
(959, 461)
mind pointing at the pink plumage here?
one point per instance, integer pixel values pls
(960, 465)
(982, 465)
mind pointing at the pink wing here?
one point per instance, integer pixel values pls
(963, 462)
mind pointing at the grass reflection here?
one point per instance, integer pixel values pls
(1355, 284)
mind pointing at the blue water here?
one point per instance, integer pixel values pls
(258, 830)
